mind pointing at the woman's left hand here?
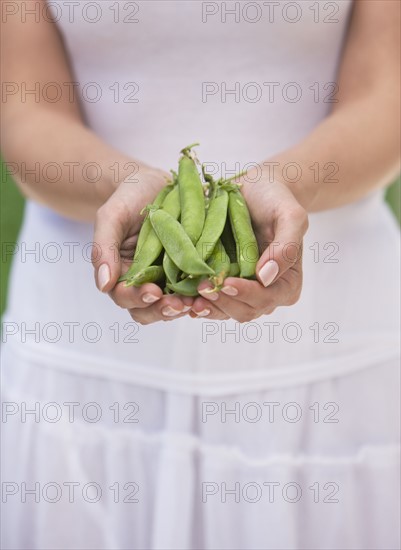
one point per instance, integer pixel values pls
(280, 223)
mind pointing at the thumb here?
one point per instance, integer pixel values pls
(111, 228)
(286, 249)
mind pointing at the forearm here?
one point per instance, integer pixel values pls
(59, 162)
(357, 146)
(352, 152)
(52, 155)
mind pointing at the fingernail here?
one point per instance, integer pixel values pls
(203, 313)
(103, 276)
(209, 293)
(168, 311)
(229, 290)
(149, 298)
(186, 308)
(268, 272)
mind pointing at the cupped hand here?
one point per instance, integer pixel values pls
(117, 226)
(280, 223)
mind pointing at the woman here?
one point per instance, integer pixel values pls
(244, 428)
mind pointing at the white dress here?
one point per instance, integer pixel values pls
(277, 434)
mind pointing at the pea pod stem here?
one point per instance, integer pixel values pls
(211, 183)
(222, 183)
(188, 148)
(174, 177)
(228, 180)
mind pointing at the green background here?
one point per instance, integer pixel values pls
(12, 206)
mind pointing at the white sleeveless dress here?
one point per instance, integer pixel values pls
(276, 434)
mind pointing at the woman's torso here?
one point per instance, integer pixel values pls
(149, 88)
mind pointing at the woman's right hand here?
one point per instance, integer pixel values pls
(117, 227)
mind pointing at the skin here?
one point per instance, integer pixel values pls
(363, 121)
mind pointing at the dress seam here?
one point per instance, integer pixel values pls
(199, 384)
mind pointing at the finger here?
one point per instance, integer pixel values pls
(235, 309)
(287, 289)
(283, 292)
(111, 227)
(286, 248)
(238, 292)
(248, 292)
(166, 309)
(202, 308)
(129, 297)
(146, 295)
(149, 316)
(258, 297)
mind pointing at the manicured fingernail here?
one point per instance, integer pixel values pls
(103, 276)
(268, 272)
(229, 290)
(209, 293)
(186, 308)
(203, 313)
(168, 311)
(149, 298)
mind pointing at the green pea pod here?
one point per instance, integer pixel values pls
(219, 261)
(150, 274)
(214, 224)
(147, 226)
(170, 269)
(177, 243)
(171, 203)
(228, 241)
(234, 270)
(186, 287)
(191, 197)
(245, 240)
(149, 246)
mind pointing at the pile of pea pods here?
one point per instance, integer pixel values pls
(194, 231)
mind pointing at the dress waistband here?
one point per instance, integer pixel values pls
(79, 364)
